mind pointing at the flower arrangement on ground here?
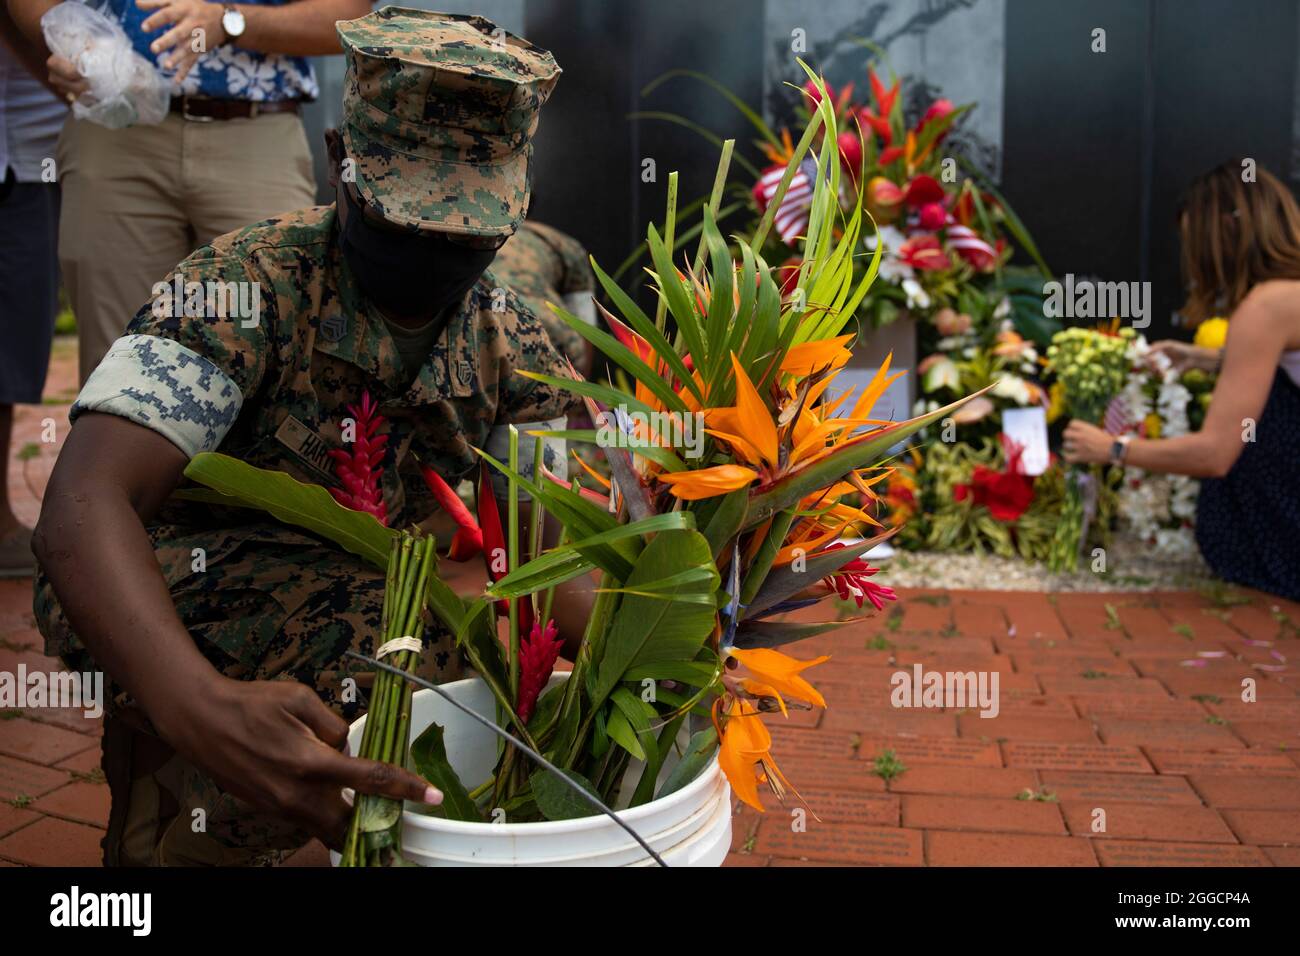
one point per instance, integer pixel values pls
(946, 237)
(1091, 367)
(693, 558)
(1159, 402)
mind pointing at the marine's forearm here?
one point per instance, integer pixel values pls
(100, 561)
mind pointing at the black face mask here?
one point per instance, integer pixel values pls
(405, 274)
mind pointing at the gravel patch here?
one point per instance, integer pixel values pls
(1130, 567)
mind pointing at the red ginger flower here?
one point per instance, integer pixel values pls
(537, 655)
(359, 471)
(850, 581)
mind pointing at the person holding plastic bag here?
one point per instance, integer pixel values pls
(221, 146)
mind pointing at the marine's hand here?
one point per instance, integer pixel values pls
(276, 746)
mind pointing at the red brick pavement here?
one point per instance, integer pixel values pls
(1122, 737)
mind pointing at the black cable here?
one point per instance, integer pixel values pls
(506, 735)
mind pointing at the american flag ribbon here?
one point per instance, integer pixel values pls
(1116, 419)
(962, 237)
(791, 217)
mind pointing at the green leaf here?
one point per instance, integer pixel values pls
(556, 799)
(650, 629)
(620, 731)
(699, 752)
(776, 633)
(295, 503)
(638, 714)
(429, 759)
(558, 564)
(694, 673)
(727, 520)
(744, 108)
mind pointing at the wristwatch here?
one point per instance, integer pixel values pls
(232, 21)
(1119, 448)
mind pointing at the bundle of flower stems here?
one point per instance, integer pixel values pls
(373, 835)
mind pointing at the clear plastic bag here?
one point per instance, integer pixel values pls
(125, 88)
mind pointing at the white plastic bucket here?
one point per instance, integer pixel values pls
(690, 827)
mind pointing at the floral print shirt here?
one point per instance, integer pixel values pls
(226, 72)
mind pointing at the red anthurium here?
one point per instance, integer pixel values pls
(538, 651)
(359, 470)
(923, 190)
(924, 252)
(468, 540)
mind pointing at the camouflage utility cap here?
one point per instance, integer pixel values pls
(439, 112)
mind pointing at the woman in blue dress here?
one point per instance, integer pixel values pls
(1241, 257)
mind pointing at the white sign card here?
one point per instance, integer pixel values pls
(1027, 427)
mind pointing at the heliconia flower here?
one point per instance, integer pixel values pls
(468, 539)
(538, 651)
(891, 154)
(878, 125)
(925, 253)
(781, 672)
(851, 582)
(707, 482)
(885, 98)
(359, 470)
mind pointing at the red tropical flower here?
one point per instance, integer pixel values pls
(359, 471)
(538, 651)
(924, 252)
(468, 540)
(851, 583)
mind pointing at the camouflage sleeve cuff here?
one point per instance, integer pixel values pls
(166, 387)
(554, 452)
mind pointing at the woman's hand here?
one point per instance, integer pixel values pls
(189, 20)
(65, 78)
(1184, 355)
(276, 746)
(1086, 444)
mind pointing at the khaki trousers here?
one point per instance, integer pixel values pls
(137, 201)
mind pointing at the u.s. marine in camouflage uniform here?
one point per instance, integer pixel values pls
(439, 112)
(543, 265)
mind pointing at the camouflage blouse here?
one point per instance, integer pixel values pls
(258, 342)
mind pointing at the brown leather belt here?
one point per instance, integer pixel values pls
(204, 109)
